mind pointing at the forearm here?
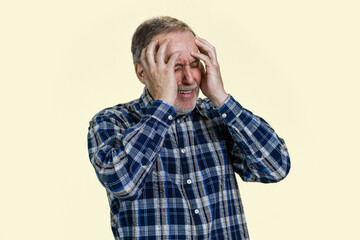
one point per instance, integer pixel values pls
(259, 154)
(123, 155)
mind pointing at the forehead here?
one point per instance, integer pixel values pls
(179, 41)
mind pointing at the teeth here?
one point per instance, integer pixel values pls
(185, 92)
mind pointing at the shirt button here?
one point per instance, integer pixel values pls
(178, 121)
(189, 181)
(183, 150)
(224, 115)
(196, 211)
(170, 117)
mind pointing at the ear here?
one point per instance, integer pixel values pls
(140, 73)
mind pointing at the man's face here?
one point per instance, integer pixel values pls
(187, 68)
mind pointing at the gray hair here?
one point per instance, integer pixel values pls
(152, 27)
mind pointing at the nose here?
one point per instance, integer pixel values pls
(187, 78)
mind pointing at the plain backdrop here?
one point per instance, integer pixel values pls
(294, 63)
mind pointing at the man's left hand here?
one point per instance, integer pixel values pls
(211, 83)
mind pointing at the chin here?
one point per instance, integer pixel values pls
(185, 108)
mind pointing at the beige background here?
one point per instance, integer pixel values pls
(295, 63)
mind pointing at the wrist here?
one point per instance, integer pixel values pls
(169, 100)
(219, 100)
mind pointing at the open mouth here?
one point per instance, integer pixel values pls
(185, 91)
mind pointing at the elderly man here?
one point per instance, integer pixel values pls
(167, 160)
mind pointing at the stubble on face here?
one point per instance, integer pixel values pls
(186, 106)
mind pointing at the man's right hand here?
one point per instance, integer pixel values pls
(159, 75)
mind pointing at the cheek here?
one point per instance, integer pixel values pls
(197, 75)
(178, 77)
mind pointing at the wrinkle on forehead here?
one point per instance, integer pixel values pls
(185, 60)
(180, 41)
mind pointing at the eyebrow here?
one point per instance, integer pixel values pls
(181, 64)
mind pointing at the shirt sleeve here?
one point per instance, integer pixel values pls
(258, 154)
(122, 154)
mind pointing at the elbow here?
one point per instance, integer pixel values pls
(119, 182)
(272, 173)
(122, 190)
(282, 171)
(280, 177)
(280, 164)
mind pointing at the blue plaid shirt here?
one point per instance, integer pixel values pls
(172, 177)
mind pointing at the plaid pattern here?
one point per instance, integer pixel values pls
(170, 177)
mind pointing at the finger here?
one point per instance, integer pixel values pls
(202, 57)
(205, 42)
(150, 53)
(143, 60)
(160, 55)
(172, 60)
(202, 68)
(206, 48)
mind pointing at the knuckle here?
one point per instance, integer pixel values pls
(153, 71)
(148, 54)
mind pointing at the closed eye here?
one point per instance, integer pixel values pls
(178, 67)
(195, 64)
